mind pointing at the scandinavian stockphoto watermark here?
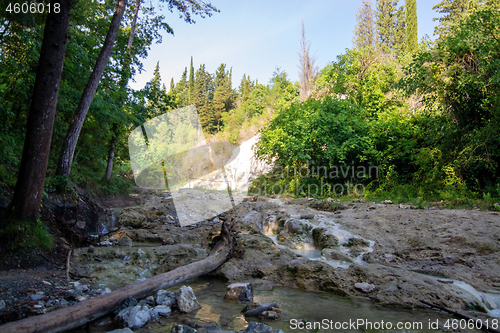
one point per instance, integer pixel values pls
(314, 180)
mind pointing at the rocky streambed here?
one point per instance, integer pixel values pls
(388, 255)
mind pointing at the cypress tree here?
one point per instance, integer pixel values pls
(203, 96)
(400, 34)
(191, 83)
(364, 32)
(245, 88)
(182, 90)
(220, 95)
(172, 86)
(411, 25)
(386, 24)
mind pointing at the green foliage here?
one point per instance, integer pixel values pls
(364, 32)
(459, 78)
(26, 235)
(361, 77)
(411, 25)
(452, 12)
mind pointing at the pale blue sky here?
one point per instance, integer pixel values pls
(254, 37)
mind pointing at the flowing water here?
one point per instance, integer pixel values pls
(297, 306)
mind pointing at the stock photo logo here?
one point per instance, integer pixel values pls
(171, 153)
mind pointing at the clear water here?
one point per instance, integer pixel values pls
(295, 304)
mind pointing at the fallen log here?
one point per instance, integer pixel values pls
(84, 312)
(261, 308)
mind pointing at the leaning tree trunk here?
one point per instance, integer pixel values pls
(69, 144)
(25, 204)
(89, 310)
(111, 152)
(123, 84)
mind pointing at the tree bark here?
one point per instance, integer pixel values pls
(111, 153)
(87, 311)
(69, 144)
(25, 204)
(123, 84)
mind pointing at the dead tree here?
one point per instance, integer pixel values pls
(89, 310)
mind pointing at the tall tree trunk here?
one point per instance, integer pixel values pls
(123, 84)
(69, 144)
(111, 153)
(25, 204)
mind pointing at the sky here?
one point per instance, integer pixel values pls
(255, 37)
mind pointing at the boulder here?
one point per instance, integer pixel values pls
(167, 298)
(130, 217)
(161, 310)
(239, 292)
(134, 316)
(322, 239)
(186, 300)
(297, 226)
(125, 241)
(253, 218)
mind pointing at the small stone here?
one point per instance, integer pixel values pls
(2, 305)
(254, 327)
(365, 287)
(163, 310)
(105, 243)
(105, 291)
(91, 249)
(47, 283)
(387, 202)
(271, 315)
(372, 207)
(150, 301)
(186, 301)
(81, 224)
(216, 220)
(239, 292)
(125, 241)
(113, 240)
(38, 296)
(81, 298)
(64, 302)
